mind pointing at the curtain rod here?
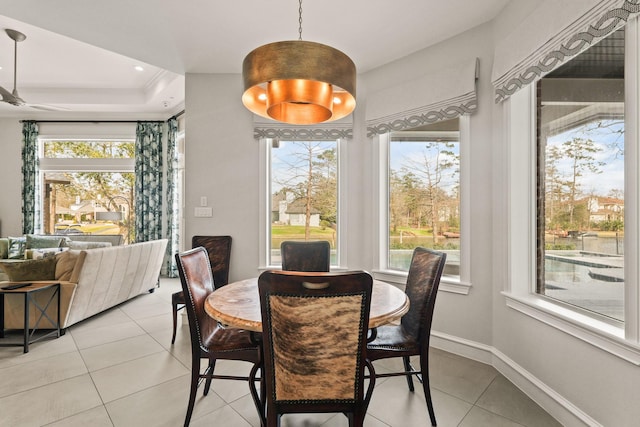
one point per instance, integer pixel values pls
(93, 121)
(181, 113)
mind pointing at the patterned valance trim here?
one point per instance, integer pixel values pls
(328, 132)
(600, 21)
(444, 95)
(407, 120)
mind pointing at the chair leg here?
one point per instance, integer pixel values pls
(209, 373)
(195, 378)
(175, 321)
(424, 370)
(408, 368)
(259, 398)
(273, 419)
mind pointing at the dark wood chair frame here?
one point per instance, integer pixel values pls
(219, 250)
(305, 255)
(313, 286)
(411, 337)
(208, 339)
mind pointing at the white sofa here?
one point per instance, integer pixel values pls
(102, 278)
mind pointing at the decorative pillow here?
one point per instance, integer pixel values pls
(33, 269)
(43, 253)
(17, 247)
(4, 248)
(65, 263)
(88, 245)
(40, 242)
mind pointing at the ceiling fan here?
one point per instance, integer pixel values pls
(12, 97)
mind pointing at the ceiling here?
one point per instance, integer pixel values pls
(78, 58)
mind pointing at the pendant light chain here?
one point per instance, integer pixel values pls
(300, 21)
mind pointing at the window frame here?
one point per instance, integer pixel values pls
(454, 284)
(264, 240)
(74, 165)
(519, 115)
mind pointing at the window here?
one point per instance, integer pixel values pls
(581, 202)
(87, 186)
(424, 194)
(303, 189)
(423, 189)
(604, 313)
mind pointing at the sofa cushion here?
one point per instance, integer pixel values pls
(33, 269)
(17, 245)
(41, 242)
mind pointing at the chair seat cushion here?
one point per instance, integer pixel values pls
(391, 341)
(222, 339)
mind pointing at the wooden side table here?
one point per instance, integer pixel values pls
(29, 292)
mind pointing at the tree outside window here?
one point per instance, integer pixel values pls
(304, 193)
(424, 195)
(88, 199)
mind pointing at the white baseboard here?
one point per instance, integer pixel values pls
(555, 404)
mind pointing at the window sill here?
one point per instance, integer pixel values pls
(447, 283)
(602, 335)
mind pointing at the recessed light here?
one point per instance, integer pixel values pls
(138, 68)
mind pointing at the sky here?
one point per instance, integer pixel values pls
(612, 176)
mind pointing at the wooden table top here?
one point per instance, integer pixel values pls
(238, 305)
(35, 285)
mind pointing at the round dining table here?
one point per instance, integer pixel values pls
(237, 305)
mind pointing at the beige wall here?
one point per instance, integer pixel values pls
(11, 188)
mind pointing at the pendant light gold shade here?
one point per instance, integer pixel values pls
(299, 82)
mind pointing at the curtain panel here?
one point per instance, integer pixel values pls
(148, 177)
(339, 129)
(173, 209)
(29, 176)
(553, 34)
(442, 95)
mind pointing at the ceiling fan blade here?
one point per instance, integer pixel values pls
(5, 94)
(10, 97)
(46, 107)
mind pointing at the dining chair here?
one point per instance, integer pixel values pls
(305, 255)
(208, 339)
(411, 336)
(219, 251)
(314, 332)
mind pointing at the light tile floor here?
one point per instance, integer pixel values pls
(119, 369)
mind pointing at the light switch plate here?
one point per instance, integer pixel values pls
(203, 212)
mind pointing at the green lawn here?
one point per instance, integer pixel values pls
(279, 233)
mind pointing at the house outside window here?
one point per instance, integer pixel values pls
(87, 187)
(303, 189)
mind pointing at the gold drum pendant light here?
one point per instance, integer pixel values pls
(299, 82)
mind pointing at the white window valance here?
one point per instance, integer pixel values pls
(550, 36)
(442, 95)
(339, 129)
